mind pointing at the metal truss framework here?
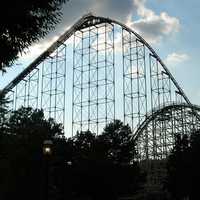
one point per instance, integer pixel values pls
(155, 136)
(134, 80)
(152, 102)
(93, 78)
(44, 87)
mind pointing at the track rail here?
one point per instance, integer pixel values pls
(86, 21)
(163, 109)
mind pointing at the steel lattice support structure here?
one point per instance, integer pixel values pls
(160, 84)
(53, 83)
(134, 80)
(93, 78)
(162, 125)
(26, 92)
(43, 87)
(111, 78)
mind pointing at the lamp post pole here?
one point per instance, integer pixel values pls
(47, 152)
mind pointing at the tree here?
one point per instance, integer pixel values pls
(3, 112)
(24, 22)
(119, 139)
(82, 167)
(183, 167)
(22, 161)
(99, 170)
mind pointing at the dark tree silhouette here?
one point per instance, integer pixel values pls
(102, 167)
(118, 138)
(3, 112)
(24, 22)
(82, 167)
(21, 159)
(183, 167)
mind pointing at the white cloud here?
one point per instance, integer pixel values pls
(153, 27)
(176, 58)
(36, 49)
(72, 11)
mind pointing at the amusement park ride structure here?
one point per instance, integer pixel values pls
(151, 101)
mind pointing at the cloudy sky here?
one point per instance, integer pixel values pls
(171, 26)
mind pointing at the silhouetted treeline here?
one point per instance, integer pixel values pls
(87, 166)
(21, 159)
(183, 167)
(82, 167)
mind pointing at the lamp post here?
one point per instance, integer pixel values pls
(47, 152)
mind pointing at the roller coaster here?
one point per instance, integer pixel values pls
(101, 70)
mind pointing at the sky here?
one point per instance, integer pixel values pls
(170, 26)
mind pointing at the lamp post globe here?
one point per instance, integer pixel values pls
(47, 152)
(47, 147)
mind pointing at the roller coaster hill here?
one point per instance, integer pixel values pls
(101, 70)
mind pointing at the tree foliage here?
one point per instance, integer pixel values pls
(85, 166)
(119, 139)
(103, 166)
(183, 167)
(3, 112)
(24, 22)
(21, 159)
